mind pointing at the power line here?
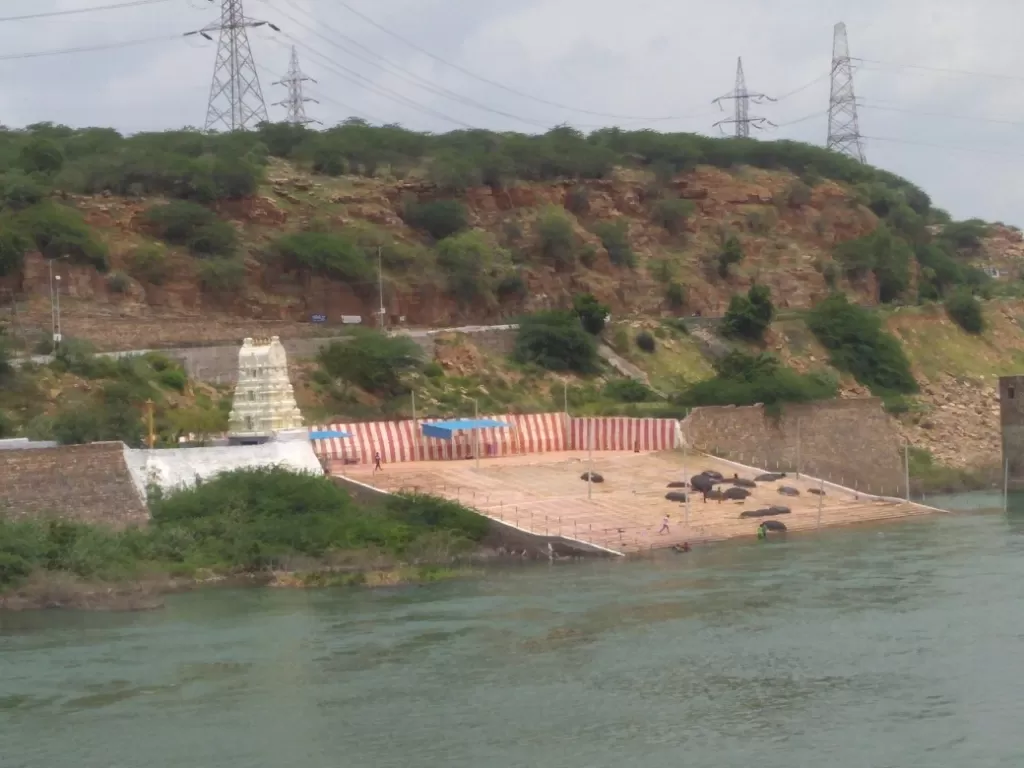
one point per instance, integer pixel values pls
(74, 11)
(364, 82)
(439, 90)
(943, 70)
(402, 73)
(818, 113)
(494, 83)
(353, 112)
(914, 142)
(89, 48)
(949, 115)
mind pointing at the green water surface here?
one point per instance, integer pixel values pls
(899, 645)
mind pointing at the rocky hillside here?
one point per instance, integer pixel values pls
(174, 238)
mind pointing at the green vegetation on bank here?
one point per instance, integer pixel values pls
(742, 379)
(244, 521)
(103, 398)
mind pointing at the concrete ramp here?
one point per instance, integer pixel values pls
(175, 468)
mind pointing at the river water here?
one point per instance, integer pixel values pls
(895, 645)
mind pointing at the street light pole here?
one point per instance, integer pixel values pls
(57, 336)
(476, 430)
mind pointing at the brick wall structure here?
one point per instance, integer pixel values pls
(851, 442)
(85, 483)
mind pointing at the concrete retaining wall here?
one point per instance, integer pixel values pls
(172, 468)
(850, 442)
(85, 483)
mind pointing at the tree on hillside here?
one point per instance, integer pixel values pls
(748, 317)
(591, 312)
(373, 361)
(964, 309)
(555, 340)
(858, 344)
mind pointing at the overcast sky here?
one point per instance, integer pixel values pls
(581, 61)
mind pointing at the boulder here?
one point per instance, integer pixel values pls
(816, 491)
(768, 477)
(702, 483)
(737, 494)
(675, 496)
(788, 490)
(594, 477)
(715, 476)
(742, 482)
(678, 484)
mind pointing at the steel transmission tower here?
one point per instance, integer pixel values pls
(843, 126)
(296, 101)
(236, 99)
(742, 97)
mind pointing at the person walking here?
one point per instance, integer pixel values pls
(664, 525)
(376, 462)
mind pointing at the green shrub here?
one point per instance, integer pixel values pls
(13, 247)
(453, 173)
(324, 253)
(965, 235)
(173, 378)
(221, 276)
(615, 238)
(149, 264)
(939, 270)
(743, 379)
(591, 312)
(438, 218)
(859, 345)
(57, 230)
(373, 361)
(41, 155)
(78, 424)
(883, 252)
(629, 391)
(675, 295)
(796, 195)
(192, 226)
(470, 265)
(964, 309)
(512, 287)
(557, 238)
(732, 253)
(672, 213)
(748, 317)
(555, 340)
(433, 370)
(645, 341)
(18, 191)
(118, 282)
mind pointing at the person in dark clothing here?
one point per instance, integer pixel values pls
(376, 462)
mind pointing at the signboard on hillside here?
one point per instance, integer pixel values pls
(351, 319)
(318, 318)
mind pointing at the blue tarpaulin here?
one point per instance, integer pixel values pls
(446, 429)
(327, 435)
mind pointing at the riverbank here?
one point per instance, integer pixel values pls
(49, 590)
(253, 526)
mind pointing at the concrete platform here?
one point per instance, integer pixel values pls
(543, 493)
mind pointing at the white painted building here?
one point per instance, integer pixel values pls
(264, 401)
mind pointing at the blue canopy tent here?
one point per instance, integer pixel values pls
(446, 430)
(328, 434)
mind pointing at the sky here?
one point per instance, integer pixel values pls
(528, 65)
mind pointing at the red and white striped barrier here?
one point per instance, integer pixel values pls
(624, 433)
(403, 441)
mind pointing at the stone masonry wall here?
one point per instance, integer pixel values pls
(1011, 417)
(86, 483)
(850, 442)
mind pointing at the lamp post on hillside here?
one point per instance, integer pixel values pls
(54, 303)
